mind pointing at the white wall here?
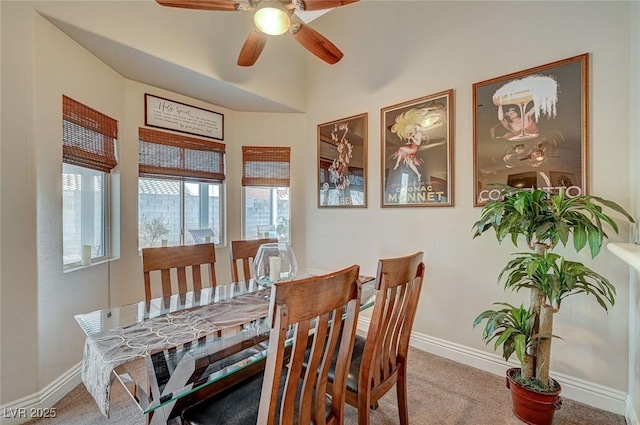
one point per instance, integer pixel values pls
(414, 54)
(61, 68)
(634, 159)
(164, 39)
(40, 346)
(420, 52)
(252, 129)
(19, 309)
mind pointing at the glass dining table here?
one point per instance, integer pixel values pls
(171, 352)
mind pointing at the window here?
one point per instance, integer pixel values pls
(265, 181)
(88, 154)
(180, 190)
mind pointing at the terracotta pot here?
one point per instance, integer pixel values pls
(532, 407)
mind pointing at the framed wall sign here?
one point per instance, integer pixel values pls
(530, 129)
(342, 162)
(177, 116)
(417, 152)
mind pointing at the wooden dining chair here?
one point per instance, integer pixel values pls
(242, 253)
(380, 360)
(303, 313)
(177, 261)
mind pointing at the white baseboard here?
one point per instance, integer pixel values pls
(580, 390)
(631, 415)
(35, 405)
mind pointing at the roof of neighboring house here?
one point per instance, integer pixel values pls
(158, 187)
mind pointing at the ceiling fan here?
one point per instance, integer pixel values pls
(273, 17)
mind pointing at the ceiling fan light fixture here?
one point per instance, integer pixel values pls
(272, 18)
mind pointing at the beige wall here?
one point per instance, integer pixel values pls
(61, 68)
(415, 54)
(419, 53)
(35, 350)
(19, 310)
(159, 36)
(634, 142)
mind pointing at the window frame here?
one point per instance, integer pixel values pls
(106, 219)
(273, 209)
(167, 156)
(266, 167)
(182, 213)
(89, 143)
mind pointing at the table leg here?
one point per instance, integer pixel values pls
(179, 377)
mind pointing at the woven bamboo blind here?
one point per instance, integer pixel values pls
(88, 137)
(173, 156)
(265, 166)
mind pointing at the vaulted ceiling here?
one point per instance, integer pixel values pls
(192, 52)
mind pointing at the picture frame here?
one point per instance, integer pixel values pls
(417, 140)
(169, 114)
(552, 145)
(342, 162)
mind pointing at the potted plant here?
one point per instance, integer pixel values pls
(544, 219)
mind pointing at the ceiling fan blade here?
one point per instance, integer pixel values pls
(252, 48)
(222, 5)
(323, 4)
(316, 43)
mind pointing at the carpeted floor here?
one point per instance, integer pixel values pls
(441, 392)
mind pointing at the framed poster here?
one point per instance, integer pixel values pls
(342, 162)
(171, 115)
(533, 123)
(417, 152)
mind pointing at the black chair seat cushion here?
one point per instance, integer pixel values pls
(237, 405)
(354, 368)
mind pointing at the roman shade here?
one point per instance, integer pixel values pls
(172, 156)
(88, 137)
(266, 166)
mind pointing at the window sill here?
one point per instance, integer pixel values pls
(628, 252)
(80, 267)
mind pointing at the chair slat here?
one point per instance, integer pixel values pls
(197, 278)
(243, 252)
(182, 261)
(384, 356)
(289, 388)
(182, 280)
(166, 282)
(305, 387)
(310, 374)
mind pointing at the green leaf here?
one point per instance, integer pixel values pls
(579, 238)
(595, 242)
(505, 335)
(614, 207)
(563, 232)
(520, 347)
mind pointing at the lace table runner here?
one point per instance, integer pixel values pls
(107, 350)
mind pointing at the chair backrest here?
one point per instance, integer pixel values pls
(242, 253)
(399, 283)
(308, 310)
(178, 260)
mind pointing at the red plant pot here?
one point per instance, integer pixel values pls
(532, 407)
